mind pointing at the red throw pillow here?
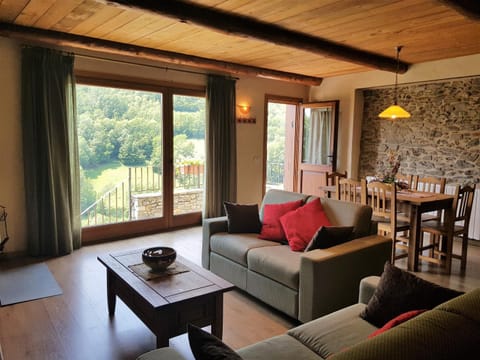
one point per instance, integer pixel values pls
(271, 227)
(301, 224)
(396, 321)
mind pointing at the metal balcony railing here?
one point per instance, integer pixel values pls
(115, 205)
(275, 173)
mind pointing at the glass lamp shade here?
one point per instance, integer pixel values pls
(394, 112)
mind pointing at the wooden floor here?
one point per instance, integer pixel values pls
(76, 325)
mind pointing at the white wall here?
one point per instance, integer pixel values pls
(249, 136)
(347, 89)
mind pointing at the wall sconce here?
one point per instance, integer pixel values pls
(3, 228)
(244, 114)
(244, 109)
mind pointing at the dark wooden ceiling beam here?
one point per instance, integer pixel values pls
(468, 8)
(240, 25)
(57, 39)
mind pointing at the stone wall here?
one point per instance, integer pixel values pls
(187, 201)
(150, 205)
(442, 137)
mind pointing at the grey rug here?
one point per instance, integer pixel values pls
(27, 283)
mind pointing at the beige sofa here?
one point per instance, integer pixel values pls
(304, 285)
(450, 330)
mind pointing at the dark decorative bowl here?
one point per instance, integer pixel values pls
(159, 258)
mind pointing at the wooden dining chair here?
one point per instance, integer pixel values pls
(331, 179)
(433, 185)
(441, 245)
(402, 209)
(351, 190)
(382, 198)
(407, 179)
(429, 184)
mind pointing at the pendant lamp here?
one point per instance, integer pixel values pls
(395, 111)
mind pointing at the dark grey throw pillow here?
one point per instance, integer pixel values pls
(399, 291)
(242, 218)
(206, 346)
(328, 236)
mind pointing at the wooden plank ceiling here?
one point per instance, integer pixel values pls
(428, 30)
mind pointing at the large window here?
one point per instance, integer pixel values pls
(142, 154)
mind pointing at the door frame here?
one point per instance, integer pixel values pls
(313, 168)
(289, 101)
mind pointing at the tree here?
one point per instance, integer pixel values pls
(113, 106)
(131, 153)
(97, 140)
(87, 192)
(183, 148)
(85, 155)
(190, 104)
(137, 139)
(156, 159)
(191, 124)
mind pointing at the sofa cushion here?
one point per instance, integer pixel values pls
(435, 334)
(334, 332)
(271, 227)
(272, 292)
(467, 305)
(328, 236)
(206, 346)
(345, 213)
(278, 263)
(275, 196)
(300, 225)
(229, 270)
(242, 218)
(236, 246)
(399, 291)
(282, 347)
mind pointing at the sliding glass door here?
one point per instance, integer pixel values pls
(188, 153)
(141, 158)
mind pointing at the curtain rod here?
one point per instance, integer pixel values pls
(166, 68)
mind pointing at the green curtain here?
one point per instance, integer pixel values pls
(50, 152)
(221, 156)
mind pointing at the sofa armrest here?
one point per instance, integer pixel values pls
(211, 226)
(367, 288)
(329, 278)
(165, 353)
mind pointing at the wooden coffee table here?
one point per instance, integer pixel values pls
(166, 304)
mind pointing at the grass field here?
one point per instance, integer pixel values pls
(105, 176)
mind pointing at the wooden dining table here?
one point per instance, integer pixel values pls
(419, 203)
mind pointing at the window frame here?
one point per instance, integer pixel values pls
(168, 221)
